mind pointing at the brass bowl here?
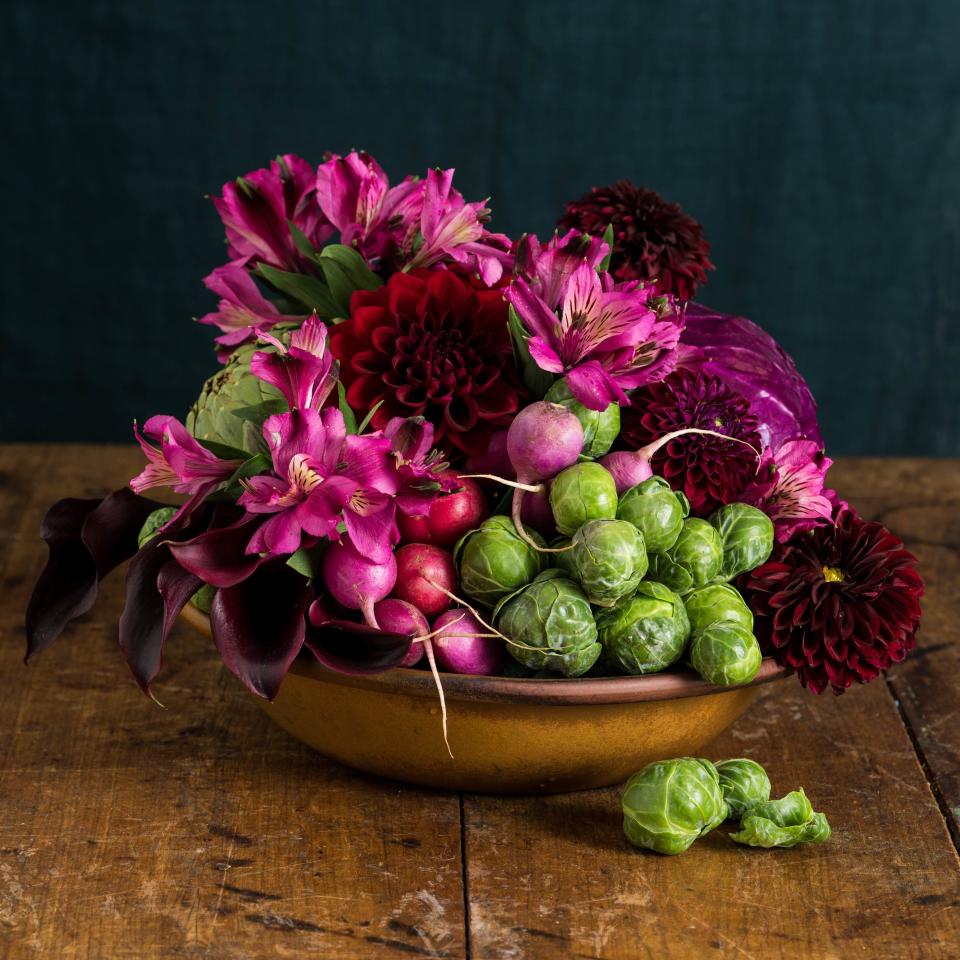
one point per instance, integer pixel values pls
(507, 735)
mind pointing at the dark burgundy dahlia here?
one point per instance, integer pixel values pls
(710, 470)
(652, 239)
(838, 604)
(429, 343)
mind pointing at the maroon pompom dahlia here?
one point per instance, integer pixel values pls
(430, 343)
(838, 604)
(652, 239)
(710, 470)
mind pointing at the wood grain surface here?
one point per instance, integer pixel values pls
(201, 830)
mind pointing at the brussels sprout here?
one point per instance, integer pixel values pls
(744, 784)
(656, 511)
(726, 654)
(609, 559)
(494, 561)
(203, 598)
(585, 491)
(153, 523)
(670, 803)
(783, 823)
(600, 427)
(644, 633)
(552, 615)
(693, 561)
(747, 537)
(717, 601)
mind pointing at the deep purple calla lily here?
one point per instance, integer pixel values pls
(86, 540)
(218, 555)
(354, 648)
(259, 625)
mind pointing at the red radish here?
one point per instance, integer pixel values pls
(355, 581)
(422, 569)
(630, 467)
(398, 616)
(450, 517)
(464, 645)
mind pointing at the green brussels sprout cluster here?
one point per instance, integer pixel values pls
(494, 561)
(670, 804)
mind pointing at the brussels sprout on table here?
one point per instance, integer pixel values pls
(644, 633)
(714, 602)
(552, 625)
(656, 511)
(726, 654)
(585, 491)
(670, 803)
(609, 560)
(744, 784)
(494, 561)
(747, 537)
(692, 562)
(600, 427)
(783, 823)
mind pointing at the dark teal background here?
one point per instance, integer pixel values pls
(818, 143)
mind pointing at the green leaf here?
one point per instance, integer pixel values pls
(222, 450)
(306, 561)
(260, 411)
(604, 264)
(254, 466)
(312, 292)
(365, 422)
(349, 417)
(537, 381)
(341, 289)
(352, 264)
(301, 240)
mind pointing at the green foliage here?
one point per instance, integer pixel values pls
(656, 511)
(536, 380)
(608, 559)
(644, 633)
(585, 491)
(671, 803)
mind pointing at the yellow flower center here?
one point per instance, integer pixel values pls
(833, 574)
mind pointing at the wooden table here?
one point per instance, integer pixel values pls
(201, 830)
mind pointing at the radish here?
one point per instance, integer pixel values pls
(450, 517)
(630, 467)
(425, 576)
(398, 616)
(463, 645)
(535, 512)
(356, 582)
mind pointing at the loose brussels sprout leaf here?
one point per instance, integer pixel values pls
(725, 654)
(656, 511)
(693, 561)
(600, 427)
(670, 803)
(553, 617)
(644, 633)
(715, 602)
(493, 561)
(585, 491)
(791, 810)
(608, 559)
(744, 784)
(747, 537)
(203, 598)
(759, 832)
(153, 523)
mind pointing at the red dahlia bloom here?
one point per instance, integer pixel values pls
(652, 239)
(711, 471)
(838, 604)
(429, 343)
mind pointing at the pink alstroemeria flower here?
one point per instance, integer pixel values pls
(322, 476)
(790, 487)
(356, 197)
(243, 312)
(257, 210)
(452, 229)
(179, 462)
(603, 337)
(305, 372)
(419, 466)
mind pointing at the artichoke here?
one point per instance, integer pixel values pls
(552, 625)
(609, 559)
(494, 561)
(600, 427)
(233, 404)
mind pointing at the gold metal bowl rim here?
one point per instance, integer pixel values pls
(580, 691)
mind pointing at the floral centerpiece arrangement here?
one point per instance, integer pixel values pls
(431, 445)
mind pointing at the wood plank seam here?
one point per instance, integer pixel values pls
(468, 953)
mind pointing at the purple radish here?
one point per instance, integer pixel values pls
(355, 581)
(398, 616)
(464, 645)
(630, 467)
(535, 512)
